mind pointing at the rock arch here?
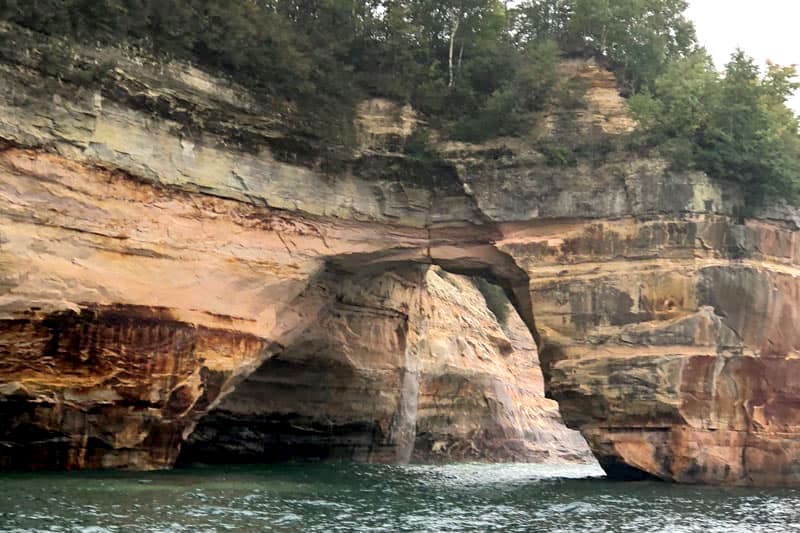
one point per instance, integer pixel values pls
(143, 339)
(403, 364)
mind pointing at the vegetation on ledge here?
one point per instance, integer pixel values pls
(479, 67)
(475, 68)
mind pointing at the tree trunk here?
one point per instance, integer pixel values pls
(603, 39)
(456, 21)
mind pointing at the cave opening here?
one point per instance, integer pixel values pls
(406, 363)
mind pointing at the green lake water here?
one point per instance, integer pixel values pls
(351, 497)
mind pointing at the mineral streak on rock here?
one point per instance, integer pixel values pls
(161, 244)
(109, 386)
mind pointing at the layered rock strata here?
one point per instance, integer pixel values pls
(405, 365)
(162, 237)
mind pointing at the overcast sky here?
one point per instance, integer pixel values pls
(765, 29)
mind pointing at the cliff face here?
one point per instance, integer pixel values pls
(166, 246)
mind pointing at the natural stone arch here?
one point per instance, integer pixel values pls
(406, 363)
(666, 320)
(652, 308)
(170, 350)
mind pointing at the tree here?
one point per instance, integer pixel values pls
(535, 20)
(639, 37)
(682, 100)
(735, 127)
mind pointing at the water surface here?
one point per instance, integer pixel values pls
(349, 497)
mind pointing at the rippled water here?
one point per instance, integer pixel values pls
(349, 497)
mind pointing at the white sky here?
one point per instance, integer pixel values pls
(764, 29)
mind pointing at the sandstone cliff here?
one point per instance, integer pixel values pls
(162, 239)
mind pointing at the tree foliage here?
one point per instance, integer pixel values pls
(734, 125)
(637, 37)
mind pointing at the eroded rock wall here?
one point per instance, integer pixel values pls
(405, 365)
(109, 387)
(670, 343)
(345, 390)
(481, 391)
